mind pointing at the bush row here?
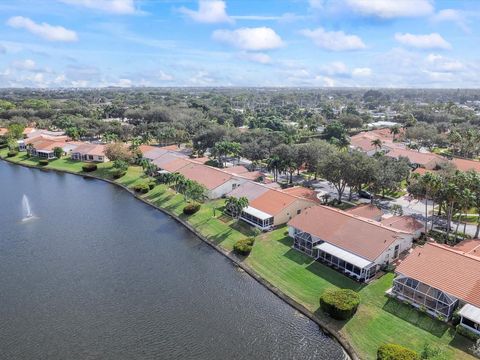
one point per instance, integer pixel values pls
(467, 333)
(340, 304)
(12, 153)
(89, 167)
(43, 162)
(244, 246)
(141, 188)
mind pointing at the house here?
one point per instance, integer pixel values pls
(466, 164)
(368, 211)
(440, 280)
(405, 223)
(171, 162)
(23, 144)
(363, 141)
(89, 153)
(427, 160)
(43, 148)
(269, 207)
(351, 244)
(217, 182)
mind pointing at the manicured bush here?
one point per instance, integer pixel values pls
(118, 173)
(141, 188)
(89, 167)
(244, 246)
(43, 162)
(396, 352)
(340, 304)
(467, 333)
(214, 163)
(152, 184)
(191, 208)
(12, 153)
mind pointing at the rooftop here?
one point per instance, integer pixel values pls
(367, 211)
(404, 223)
(445, 269)
(208, 176)
(415, 157)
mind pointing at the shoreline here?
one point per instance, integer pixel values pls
(325, 328)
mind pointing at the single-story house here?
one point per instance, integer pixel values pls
(427, 161)
(23, 144)
(440, 280)
(466, 164)
(351, 244)
(368, 211)
(405, 223)
(170, 162)
(89, 153)
(217, 182)
(44, 148)
(269, 207)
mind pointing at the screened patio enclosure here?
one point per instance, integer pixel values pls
(470, 318)
(435, 301)
(257, 218)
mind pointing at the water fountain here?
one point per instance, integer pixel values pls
(27, 211)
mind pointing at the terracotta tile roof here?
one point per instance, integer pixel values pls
(365, 238)
(367, 211)
(144, 148)
(236, 170)
(250, 190)
(449, 271)
(415, 157)
(42, 137)
(404, 223)
(90, 149)
(362, 142)
(3, 131)
(422, 171)
(273, 202)
(171, 163)
(465, 164)
(48, 145)
(208, 176)
(200, 160)
(155, 153)
(303, 192)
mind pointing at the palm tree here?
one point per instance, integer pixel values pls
(235, 206)
(395, 130)
(377, 143)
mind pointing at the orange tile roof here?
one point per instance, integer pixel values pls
(174, 165)
(405, 223)
(449, 271)
(366, 238)
(3, 131)
(48, 145)
(303, 192)
(416, 157)
(236, 170)
(465, 164)
(208, 176)
(367, 211)
(273, 202)
(90, 149)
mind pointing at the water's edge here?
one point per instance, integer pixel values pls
(326, 328)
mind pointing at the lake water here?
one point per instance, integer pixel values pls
(100, 275)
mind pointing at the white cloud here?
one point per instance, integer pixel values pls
(44, 30)
(123, 83)
(336, 68)
(334, 40)
(121, 7)
(388, 9)
(27, 64)
(362, 72)
(451, 15)
(428, 41)
(439, 63)
(209, 12)
(261, 58)
(162, 76)
(254, 39)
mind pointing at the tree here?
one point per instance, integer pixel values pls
(12, 144)
(58, 152)
(395, 130)
(336, 134)
(361, 171)
(235, 206)
(336, 169)
(351, 121)
(389, 174)
(223, 149)
(136, 142)
(15, 131)
(120, 165)
(377, 143)
(195, 191)
(118, 151)
(288, 159)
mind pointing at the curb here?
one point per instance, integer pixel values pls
(326, 328)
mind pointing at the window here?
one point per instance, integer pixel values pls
(234, 186)
(100, 158)
(90, 157)
(299, 211)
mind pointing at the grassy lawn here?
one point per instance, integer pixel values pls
(379, 319)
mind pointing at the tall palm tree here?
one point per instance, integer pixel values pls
(395, 130)
(377, 143)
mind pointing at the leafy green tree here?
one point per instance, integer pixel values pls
(15, 131)
(336, 134)
(58, 152)
(235, 206)
(336, 168)
(6, 105)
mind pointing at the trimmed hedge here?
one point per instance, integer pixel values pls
(141, 188)
(12, 153)
(43, 162)
(396, 352)
(89, 167)
(467, 333)
(244, 246)
(191, 208)
(118, 173)
(340, 304)
(152, 184)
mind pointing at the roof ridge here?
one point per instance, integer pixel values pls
(454, 251)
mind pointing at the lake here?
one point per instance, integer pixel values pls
(98, 274)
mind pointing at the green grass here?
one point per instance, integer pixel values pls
(379, 319)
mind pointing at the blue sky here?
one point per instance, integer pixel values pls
(320, 43)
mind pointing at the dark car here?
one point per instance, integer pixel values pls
(364, 194)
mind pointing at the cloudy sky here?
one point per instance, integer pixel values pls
(321, 43)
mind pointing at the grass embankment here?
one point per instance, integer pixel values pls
(379, 319)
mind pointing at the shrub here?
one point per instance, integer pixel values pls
(152, 184)
(89, 167)
(191, 208)
(462, 330)
(12, 153)
(244, 246)
(118, 173)
(141, 188)
(396, 352)
(340, 304)
(213, 163)
(43, 162)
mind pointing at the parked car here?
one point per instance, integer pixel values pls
(364, 194)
